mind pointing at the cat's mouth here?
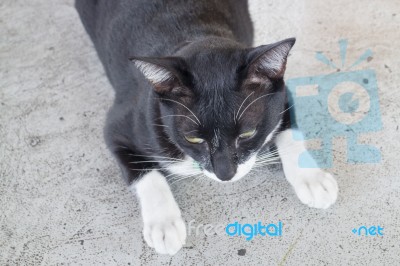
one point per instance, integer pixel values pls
(241, 171)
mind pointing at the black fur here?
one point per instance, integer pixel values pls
(205, 47)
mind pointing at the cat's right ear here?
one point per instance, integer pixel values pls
(269, 61)
(163, 74)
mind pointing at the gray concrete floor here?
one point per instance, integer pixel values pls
(62, 201)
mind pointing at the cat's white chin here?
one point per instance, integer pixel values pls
(242, 170)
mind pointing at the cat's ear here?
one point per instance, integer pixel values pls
(269, 61)
(162, 73)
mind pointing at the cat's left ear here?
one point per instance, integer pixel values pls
(269, 61)
(164, 74)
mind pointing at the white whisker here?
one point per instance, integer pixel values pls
(181, 116)
(183, 178)
(147, 169)
(122, 147)
(240, 107)
(252, 103)
(196, 178)
(151, 156)
(286, 109)
(153, 162)
(183, 106)
(191, 131)
(158, 125)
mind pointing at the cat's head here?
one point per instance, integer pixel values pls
(220, 102)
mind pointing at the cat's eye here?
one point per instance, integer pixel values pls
(247, 134)
(194, 140)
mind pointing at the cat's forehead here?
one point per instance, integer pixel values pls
(217, 106)
(214, 65)
(224, 112)
(216, 61)
(215, 80)
(219, 89)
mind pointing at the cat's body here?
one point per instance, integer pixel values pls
(195, 99)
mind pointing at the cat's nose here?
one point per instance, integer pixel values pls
(225, 171)
(223, 164)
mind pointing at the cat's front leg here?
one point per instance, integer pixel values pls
(314, 187)
(164, 228)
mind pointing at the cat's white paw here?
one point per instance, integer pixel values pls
(164, 228)
(316, 188)
(166, 236)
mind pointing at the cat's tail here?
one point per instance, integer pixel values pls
(87, 11)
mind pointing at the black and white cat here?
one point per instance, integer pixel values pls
(192, 97)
